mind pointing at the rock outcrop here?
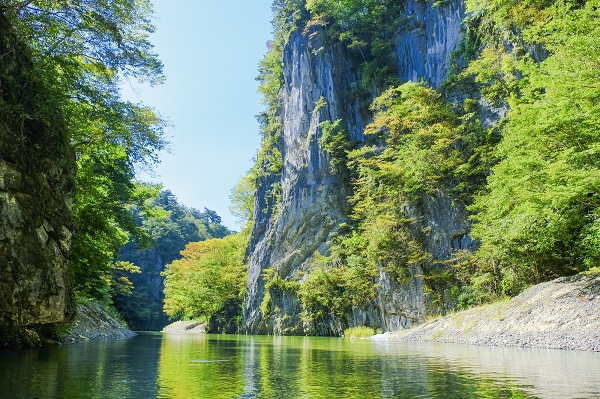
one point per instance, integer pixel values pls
(317, 79)
(93, 322)
(37, 170)
(312, 198)
(559, 314)
(191, 327)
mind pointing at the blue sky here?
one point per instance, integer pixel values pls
(211, 52)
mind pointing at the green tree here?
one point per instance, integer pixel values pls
(210, 274)
(424, 146)
(82, 49)
(171, 226)
(539, 218)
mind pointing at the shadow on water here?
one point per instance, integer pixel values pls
(226, 366)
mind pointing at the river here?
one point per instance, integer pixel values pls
(187, 366)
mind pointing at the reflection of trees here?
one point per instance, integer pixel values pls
(269, 367)
(194, 366)
(191, 366)
(106, 369)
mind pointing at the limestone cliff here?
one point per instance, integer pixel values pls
(37, 169)
(312, 199)
(317, 80)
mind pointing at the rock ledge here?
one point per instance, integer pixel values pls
(559, 314)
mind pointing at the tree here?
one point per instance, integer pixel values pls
(540, 217)
(209, 274)
(171, 226)
(81, 50)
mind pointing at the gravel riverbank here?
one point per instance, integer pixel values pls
(559, 314)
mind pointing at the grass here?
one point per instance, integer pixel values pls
(359, 332)
(592, 271)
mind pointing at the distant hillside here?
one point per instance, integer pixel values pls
(171, 226)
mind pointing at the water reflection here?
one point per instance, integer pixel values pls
(106, 369)
(207, 366)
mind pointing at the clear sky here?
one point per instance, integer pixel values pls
(211, 51)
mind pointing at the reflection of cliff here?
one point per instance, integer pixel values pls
(318, 78)
(293, 367)
(218, 366)
(124, 368)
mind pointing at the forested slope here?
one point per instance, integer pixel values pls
(171, 227)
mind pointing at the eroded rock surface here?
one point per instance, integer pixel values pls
(37, 170)
(312, 204)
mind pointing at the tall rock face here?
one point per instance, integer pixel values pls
(37, 171)
(313, 199)
(425, 42)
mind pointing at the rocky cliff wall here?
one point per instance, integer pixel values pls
(426, 39)
(37, 169)
(313, 199)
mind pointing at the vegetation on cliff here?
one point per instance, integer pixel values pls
(538, 217)
(81, 51)
(529, 178)
(78, 53)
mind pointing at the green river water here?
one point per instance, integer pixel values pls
(186, 366)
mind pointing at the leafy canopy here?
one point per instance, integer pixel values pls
(540, 215)
(209, 274)
(81, 49)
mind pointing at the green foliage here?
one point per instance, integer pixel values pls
(333, 289)
(171, 226)
(81, 50)
(274, 282)
(359, 332)
(354, 19)
(498, 73)
(335, 141)
(428, 144)
(120, 282)
(242, 200)
(210, 274)
(104, 222)
(421, 146)
(538, 218)
(366, 28)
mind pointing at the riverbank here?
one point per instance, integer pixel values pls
(194, 327)
(559, 314)
(93, 322)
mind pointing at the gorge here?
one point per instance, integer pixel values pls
(417, 158)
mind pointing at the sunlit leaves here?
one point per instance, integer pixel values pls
(209, 274)
(80, 50)
(539, 218)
